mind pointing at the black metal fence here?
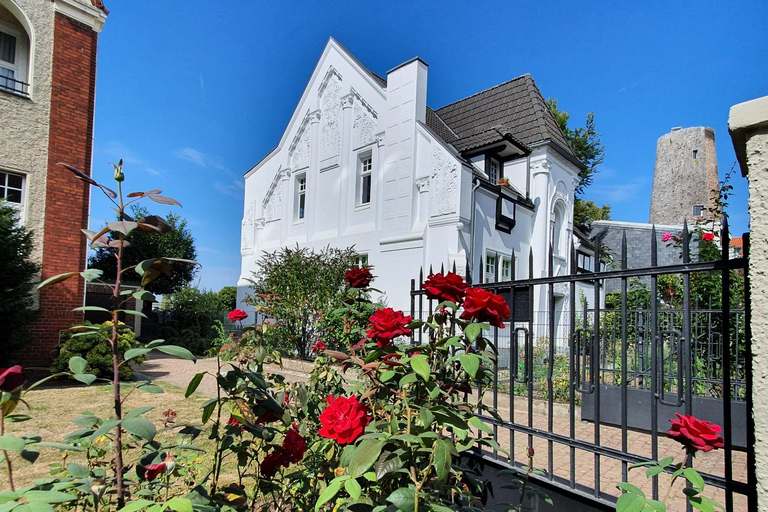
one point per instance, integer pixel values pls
(599, 398)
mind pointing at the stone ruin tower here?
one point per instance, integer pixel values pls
(684, 176)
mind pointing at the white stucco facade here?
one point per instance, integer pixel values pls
(423, 190)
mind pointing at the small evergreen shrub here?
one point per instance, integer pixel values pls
(95, 349)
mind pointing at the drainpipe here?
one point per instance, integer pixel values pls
(471, 259)
(528, 177)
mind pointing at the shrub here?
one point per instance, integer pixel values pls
(193, 313)
(95, 349)
(17, 272)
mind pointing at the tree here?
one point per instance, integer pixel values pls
(228, 297)
(295, 286)
(585, 212)
(177, 242)
(17, 273)
(585, 143)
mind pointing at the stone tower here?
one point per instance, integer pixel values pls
(685, 175)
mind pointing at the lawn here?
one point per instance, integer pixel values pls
(54, 408)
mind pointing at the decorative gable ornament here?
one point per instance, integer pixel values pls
(444, 183)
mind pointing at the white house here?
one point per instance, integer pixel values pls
(365, 162)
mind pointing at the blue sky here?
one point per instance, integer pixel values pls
(192, 94)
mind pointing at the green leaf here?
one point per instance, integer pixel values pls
(388, 463)
(151, 388)
(653, 471)
(133, 506)
(403, 499)
(470, 363)
(701, 503)
(420, 366)
(61, 446)
(480, 425)
(135, 413)
(122, 226)
(188, 447)
(135, 352)
(77, 364)
(78, 470)
(330, 491)
(85, 378)
(57, 279)
(630, 502)
(626, 486)
(104, 428)
(12, 443)
(92, 308)
(49, 496)
(30, 455)
(353, 488)
(387, 375)
(193, 384)
(131, 312)
(443, 458)
(91, 274)
(208, 408)
(365, 455)
(656, 506)
(40, 506)
(176, 351)
(666, 461)
(140, 427)
(179, 504)
(472, 331)
(694, 477)
(409, 378)
(144, 295)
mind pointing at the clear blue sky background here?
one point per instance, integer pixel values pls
(192, 93)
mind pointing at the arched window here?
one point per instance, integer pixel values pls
(558, 228)
(14, 50)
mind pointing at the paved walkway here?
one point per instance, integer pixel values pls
(179, 372)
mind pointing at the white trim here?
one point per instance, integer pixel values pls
(87, 14)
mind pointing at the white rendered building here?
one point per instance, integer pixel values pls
(365, 162)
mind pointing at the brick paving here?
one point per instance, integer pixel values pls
(179, 372)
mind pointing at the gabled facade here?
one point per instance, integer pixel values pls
(485, 184)
(47, 96)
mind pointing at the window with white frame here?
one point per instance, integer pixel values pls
(493, 170)
(698, 210)
(490, 268)
(506, 268)
(12, 190)
(361, 260)
(14, 55)
(301, 196)
(365, 175)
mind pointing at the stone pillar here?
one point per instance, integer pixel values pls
(348, 174)
(313, 175)
(748, 126)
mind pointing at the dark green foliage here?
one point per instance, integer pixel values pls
(585, 143)
(193, 314)
(17, 273)
(176, 243)
(228, 298)
(585, 212)
(295, 286)
(340, 335)
(95, 349)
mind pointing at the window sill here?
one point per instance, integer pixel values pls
(298, 222)
(18, 94)
(362, 207)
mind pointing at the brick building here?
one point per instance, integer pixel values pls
(47, 94)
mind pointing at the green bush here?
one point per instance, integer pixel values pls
(193, 314)
(95, 349)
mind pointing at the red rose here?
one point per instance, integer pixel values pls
(152, 470)
(294, 446)
(695, 434)
(358, 277)
(484, 306)
(708, 237)
(449, 287)
(11, 378)
(386, 324)
(319, 346)
(272, 463)
(344, 419)
(237, 315)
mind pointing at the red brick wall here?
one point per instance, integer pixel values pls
(71, 130)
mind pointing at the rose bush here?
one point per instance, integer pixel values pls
(344, 419)
(449, 287)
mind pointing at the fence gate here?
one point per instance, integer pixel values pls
(590, 379)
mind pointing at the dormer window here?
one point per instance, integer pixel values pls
(493, 169)
(14, 56)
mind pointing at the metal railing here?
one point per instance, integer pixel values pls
(599, 399)
(13, 85)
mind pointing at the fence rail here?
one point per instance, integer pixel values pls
(592, 388)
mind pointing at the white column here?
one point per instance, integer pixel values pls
(348, 174)
(313, 174)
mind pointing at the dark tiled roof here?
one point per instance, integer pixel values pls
(438, 126)
(516, 107)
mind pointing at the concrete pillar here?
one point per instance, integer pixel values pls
(748, 126)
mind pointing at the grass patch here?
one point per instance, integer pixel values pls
(54, 408)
